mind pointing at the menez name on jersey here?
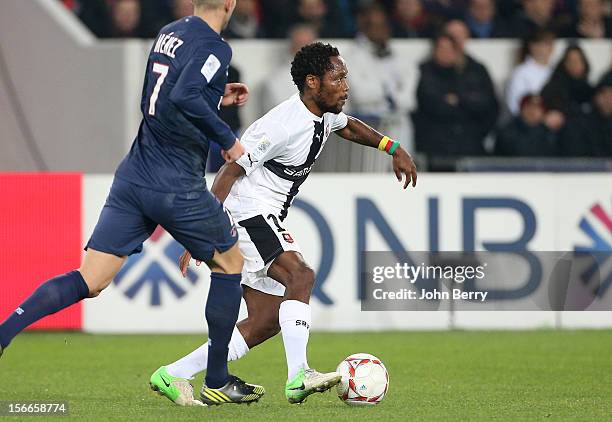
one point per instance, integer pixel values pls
(168, 44)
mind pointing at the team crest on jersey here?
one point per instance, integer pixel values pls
(288, 238)
(263, 145)
(210, 67)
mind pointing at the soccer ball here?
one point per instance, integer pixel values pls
(365, 380)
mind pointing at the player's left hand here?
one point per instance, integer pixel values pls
(235, 94)
(234, 153)
(184, 262)
(402, 163)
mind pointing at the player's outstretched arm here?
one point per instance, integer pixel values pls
(359, 132)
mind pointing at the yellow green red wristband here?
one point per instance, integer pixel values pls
(388, 145)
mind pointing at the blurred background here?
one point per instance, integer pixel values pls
(450, 79)
(506, 106)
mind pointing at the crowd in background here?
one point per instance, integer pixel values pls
(547, 109)
(342, 18)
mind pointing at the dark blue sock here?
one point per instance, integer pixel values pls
(222, 308)
(50, 297)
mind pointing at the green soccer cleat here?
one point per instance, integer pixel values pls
(307, 382)
(235, 391)
(178, 390)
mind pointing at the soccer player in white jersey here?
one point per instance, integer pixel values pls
(258, 189)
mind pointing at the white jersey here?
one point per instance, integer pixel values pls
(281, 148)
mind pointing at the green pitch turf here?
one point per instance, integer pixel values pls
(534, 375)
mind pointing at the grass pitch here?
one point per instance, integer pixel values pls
(531, 375)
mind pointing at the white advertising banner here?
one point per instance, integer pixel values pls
(336, 217)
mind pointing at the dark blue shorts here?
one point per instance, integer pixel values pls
(197, 220)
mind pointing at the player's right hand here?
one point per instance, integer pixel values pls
(184, 262)
(234, 153)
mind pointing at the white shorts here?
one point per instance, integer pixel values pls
(261, 240)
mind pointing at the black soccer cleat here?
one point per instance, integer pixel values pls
(235, 391)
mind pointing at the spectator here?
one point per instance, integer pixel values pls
(181, 9)
(534, 71)
(381, 101)
(276, 17)
(473, 71)
(590, 134)
(244, 22)
(536, 15)
(446, 9)
(482, 20)
(527, 135)
(158, 13)
(410, 20)
(95, 14)
(568, 90)
(591, 22)
(452, 102)
(316, 13)
(279, 85)
(126, 21)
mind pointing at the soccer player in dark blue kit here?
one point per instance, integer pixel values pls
(161, 182)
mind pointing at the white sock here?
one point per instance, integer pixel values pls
(294, 318)
(187, 367)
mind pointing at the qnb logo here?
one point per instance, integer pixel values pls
(154, 272)
(597, 226)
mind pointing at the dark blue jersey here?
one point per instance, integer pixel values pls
(183, 87)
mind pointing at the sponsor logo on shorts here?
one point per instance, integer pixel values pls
(288, 238)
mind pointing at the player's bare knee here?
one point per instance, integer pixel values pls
(95, 284)
(94, 292)
(235, 265)
(96, 289)
(230, 262)
(302, 280)
(309, 276)
(226, 268)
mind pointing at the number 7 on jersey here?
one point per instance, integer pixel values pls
(162, 71)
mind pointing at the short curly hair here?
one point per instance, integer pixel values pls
(312, 59)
